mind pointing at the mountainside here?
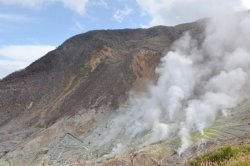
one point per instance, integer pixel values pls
(87, 71)
(55, 111)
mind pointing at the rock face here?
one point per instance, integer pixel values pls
(87, 71)
(50, 110)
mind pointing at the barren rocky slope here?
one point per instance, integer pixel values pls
(54, 112)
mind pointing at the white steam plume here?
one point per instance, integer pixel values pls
(196, 83)
(198, 80)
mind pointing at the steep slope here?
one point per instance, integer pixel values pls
(82, 62)
(60, 109)
(87, 72)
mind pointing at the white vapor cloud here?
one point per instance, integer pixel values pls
(120, 14)
(199, 80)
(246, 4)
(17, 57)
(78, 6)
(172, 12)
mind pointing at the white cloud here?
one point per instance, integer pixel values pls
(27, 53)
(172, 12)
(78, 6)
(8, 66)
(19, 56)
(77, 27)
(102, 3)
(24, 3)
(14, 17)
(119, 14)
(246, 4)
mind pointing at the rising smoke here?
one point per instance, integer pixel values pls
(221, 72)
(198, 80)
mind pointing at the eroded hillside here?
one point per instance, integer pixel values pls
(65, 108)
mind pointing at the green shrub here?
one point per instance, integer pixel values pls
(229, 156)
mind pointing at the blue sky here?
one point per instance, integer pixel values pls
(30, 28)
(52, 24)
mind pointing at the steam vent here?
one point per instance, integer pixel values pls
(158, 96)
